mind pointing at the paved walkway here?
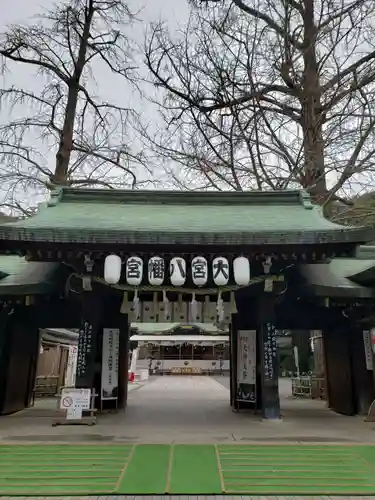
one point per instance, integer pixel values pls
(190, 410)
(193, 409)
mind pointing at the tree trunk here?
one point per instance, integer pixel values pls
(66, 139)
(313, 178)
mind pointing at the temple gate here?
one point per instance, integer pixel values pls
(233, 259)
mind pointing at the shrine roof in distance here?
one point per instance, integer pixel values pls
(131, 217)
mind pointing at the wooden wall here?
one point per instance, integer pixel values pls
(18, 359)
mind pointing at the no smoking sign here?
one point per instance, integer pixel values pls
(67, 402)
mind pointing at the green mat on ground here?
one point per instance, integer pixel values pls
(80, 470)
(297, 469)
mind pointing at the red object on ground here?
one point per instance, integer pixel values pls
(131, 376)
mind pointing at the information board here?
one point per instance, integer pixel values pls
(75, 398)
(246, 366)
(269, 352)
(85, 355)
(111, 341)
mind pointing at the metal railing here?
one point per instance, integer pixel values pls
(308, 386)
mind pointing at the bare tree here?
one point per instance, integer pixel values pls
(268, 94)
(67, 47)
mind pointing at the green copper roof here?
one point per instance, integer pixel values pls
(366, 251)
(169, 217)
(331, 280)
(19, 277)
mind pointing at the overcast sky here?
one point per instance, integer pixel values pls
(174, 12)
(16, 11)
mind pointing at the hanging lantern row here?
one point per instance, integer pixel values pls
(156, 271)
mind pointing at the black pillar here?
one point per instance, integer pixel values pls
(5, 349)
(340, 388)
(88, 339)
(19, 349)
(266, 331)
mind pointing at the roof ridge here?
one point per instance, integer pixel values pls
(56, 196)
(72, 194)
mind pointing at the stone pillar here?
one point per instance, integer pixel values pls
(88, 339)
(266, 333)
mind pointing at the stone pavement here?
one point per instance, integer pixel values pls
(182, 409)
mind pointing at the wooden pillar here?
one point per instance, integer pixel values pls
(266, 332)
(88, 339)
(5, 349)
(340, 390)
(318, 354)
(33, 333)
(19, 353)
(372, 334)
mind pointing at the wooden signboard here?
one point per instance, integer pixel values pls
(269, 364)
(85, 356)
(246, 367)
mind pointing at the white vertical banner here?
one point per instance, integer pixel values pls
(110, 355)
(296, 359)
(70, 375)
(246, 361)
(368, 349)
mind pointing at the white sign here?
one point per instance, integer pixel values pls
(368, 349)
(246, 362)
(70, 374)
(74, 413)
(111, 341)
(75, 398)
(296, 359)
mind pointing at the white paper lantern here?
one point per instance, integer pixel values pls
(177, 271)
(241, 271)
(134, 271)
(156, 271)
(112, 269)
(199, 271)
(220, 271)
